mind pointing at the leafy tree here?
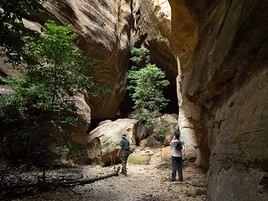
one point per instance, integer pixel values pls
(146, 84)
(139, 57)
(58, 71)
(61, 69)
(42, 104)
(12, 29)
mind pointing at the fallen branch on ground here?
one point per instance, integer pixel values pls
(43, 184)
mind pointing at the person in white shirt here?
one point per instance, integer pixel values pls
(176, 156)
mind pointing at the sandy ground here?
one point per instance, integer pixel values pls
(144, 183)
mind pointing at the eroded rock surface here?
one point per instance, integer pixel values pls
(220, 50)
(104, 140)
(152, 27)
(103, 29)
(223, 91)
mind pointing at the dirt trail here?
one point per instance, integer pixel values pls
(143, 183)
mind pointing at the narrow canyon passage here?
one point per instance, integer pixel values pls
(213, 54)
(145, 182)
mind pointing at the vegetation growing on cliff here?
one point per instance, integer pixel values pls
(146, 85)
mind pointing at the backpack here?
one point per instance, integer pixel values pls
(179, 146)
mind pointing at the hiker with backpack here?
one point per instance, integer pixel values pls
(176, 156)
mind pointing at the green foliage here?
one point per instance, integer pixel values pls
(58, 71)
(62, 152)
(145, 116)
(146, 85)
(160, 132)
(27, 97)
(77, 150)
(43, 95)
(61, 69)
(71, 150)
(10, 107)
(139, 57)
(24, 145)
(12, 29)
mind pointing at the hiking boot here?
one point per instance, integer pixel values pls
(123, 173)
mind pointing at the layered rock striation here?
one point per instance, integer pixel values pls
(223, 90)
(103, 29)
(151, 28)
(218, 50)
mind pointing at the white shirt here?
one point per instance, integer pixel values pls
(175, 152)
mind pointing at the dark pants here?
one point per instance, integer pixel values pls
(176, 166)
(124, 157)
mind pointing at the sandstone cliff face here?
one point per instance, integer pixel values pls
(152, 27)
(219, 52)
(222, 83)
(103, 29)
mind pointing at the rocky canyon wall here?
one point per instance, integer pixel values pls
(103, 28)
(222, 51)
(219, 51)
(151, 28)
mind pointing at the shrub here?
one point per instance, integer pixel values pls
(160, 132)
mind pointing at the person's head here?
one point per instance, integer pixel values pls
(178, 134)
(124, 136)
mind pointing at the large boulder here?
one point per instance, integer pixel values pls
(141, 132)
(149, 142)
(84, 112)
(104, 140)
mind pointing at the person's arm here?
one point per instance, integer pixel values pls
(173, 140)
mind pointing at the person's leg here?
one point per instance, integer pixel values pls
(180, 168)
(174, 168)
(126, 157)
(124, 163)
